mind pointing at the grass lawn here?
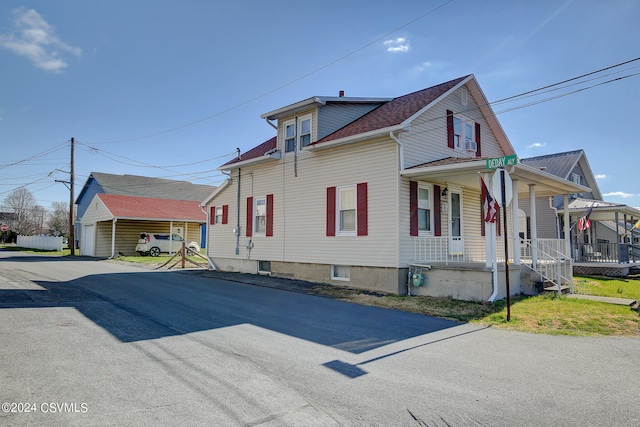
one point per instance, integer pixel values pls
(542, 314)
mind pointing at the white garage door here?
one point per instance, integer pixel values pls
(87, 244)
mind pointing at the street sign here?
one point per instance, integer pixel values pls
(501, 162)
(4, 227)
(496, 187)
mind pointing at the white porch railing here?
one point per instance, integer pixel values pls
(547, 257)
(444, 249)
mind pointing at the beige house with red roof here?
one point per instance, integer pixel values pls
(367, 192)
(112, 223)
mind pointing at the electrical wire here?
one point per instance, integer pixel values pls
(291, 82)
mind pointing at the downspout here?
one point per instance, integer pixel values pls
(401, 153)
(401, 149)
(271, 124)
(238, 213)
(555, 211)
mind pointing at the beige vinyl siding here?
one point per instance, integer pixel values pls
(426, 140)
(300, 207)
(545, 216)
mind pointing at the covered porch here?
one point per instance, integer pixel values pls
(609, 245)
(460, 245)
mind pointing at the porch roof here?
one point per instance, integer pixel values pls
(602, 211)
(464, 171)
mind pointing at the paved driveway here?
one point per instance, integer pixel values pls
(89, 342)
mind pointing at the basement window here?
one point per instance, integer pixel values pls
(264, 267)
(341, 272)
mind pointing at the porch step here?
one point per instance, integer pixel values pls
(564, 289)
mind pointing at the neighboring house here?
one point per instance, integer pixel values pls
(600, 241)
(137, 186)
(112, 224)
(363, 191)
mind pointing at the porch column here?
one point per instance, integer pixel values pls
(489, 235)
(534, 224)
(170, 237)
(567, 225)
(515, 218)
(113, 237)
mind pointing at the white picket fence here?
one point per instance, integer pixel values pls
(47, 243)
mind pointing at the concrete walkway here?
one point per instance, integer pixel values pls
(610, 300)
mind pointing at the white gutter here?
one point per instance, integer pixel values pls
(353, 138)
(272, 155)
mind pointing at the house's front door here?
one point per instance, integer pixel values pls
(456, 245)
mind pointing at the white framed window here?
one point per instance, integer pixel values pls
(464, 137)
(346, 211)
(297, 133)
(341, 272)
(260, 216)
(425, 209)
(218, 216)
(576, 178)
(305, 131)
(290, 136)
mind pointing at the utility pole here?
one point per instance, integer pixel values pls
(72, 240)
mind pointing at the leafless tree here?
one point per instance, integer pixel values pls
(26, 210)
(58, 222)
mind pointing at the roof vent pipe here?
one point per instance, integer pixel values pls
(341, 94)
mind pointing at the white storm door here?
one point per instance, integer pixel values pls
(456, 245)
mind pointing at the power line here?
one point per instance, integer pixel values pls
(269, 92)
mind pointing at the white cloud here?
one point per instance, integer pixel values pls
(537, 145)
(618, 194)
(601, 176)
(399, 44)
(35, 39)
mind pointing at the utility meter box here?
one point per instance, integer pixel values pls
(417, 279)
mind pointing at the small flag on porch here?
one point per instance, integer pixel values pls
(489, 205)
(584, 223)
(636, 226)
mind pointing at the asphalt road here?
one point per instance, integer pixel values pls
(86, 342)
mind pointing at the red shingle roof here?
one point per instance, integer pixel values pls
(258, 151)
(153, 208)
(393, 112)
(389, 114)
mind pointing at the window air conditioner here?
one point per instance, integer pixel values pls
(472, 145)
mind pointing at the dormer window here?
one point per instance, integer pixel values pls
(297, 134)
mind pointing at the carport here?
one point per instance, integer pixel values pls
(113, 223)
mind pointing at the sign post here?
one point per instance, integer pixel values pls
(500, 163)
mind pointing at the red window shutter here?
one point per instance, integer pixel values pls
(331, 211)
(479, 146)
(450, 129)
(269, 231)
(413, 208)
(249, 216)
(437, 213)
(362, 209)
(212, 215)
(225, 214)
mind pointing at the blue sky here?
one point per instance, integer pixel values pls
(171, 88)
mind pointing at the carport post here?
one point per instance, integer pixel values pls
(113, 237)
